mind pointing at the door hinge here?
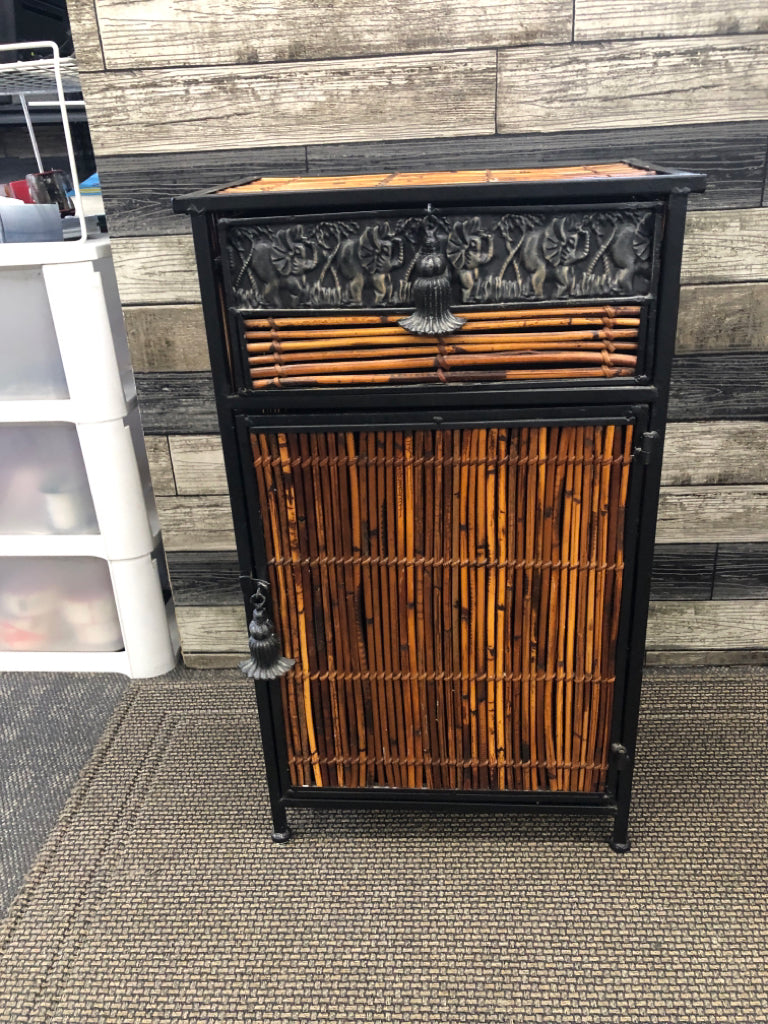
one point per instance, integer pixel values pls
(649, 445)
(620, 756)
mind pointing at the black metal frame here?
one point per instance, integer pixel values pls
(642, 399)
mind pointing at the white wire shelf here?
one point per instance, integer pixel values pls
(30, 77)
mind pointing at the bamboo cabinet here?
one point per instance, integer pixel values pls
(442, 401)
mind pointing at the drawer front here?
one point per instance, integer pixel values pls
(370, 261)
(451, 598)
(361, 350)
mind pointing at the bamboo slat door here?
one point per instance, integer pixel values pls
(451, 598)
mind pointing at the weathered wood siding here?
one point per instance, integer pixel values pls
(187, 95)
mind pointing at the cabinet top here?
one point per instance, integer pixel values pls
(621, 179)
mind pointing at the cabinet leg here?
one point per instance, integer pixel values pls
(619, 838)
(281, 830)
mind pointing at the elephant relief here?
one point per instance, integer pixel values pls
(274, 266)
(468, 249)
(381, 251)
(625, 248)
(551, 250)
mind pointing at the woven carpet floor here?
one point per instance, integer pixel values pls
(160, 897)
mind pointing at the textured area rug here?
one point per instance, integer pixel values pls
(49, 725)
(159, 896)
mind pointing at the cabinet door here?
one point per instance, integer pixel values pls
(452, 594)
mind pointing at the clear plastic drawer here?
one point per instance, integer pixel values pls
(30, 363)
(43, 483)
(57, 604)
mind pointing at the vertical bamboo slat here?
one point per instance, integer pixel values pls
(452, 600)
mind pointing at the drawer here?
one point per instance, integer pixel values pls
(354, 350)
(493, 257)
(524, 294)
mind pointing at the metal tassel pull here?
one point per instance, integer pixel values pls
(266, 661)
(431, 292)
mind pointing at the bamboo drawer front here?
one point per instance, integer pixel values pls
(442, 400)
(534, 344)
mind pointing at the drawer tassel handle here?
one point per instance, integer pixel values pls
(431, 292)
(266, 660)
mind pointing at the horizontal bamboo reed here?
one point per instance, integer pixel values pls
(294, 351)
(451, 598)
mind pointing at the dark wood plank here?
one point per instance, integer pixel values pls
(683, 572)
(637, 19)
(633, 83)
(723, 318)
(731, 155)
(730, 386)
(138, 189)
(741, 572)
(209, 32)
(680, 572)
(171, 109)
(204, 577)
(177, 403)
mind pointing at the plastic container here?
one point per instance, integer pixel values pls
(30, 363)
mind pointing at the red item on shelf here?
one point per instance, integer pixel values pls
(20, 190)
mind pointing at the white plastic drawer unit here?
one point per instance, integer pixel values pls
(57, 604)
(43, 482)
(30, 362)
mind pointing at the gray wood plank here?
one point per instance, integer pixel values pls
(625, 84)
(713, 514)
(741, 572)
(158, 270)
(198, 464)
(138, 189)
(716, 452)
(196, 523)
(208, 32)
(731, 155)
(723, 318)
(721, 245)
(682, 572)
(204, 577)
(730, 386)
(672, 625)
(194, 659)
(635, 19)
(84, 25)
(160, 469)
(167, 110)
(725, 245)
(661, 658)
(177, 403)
(697, 625)
(167, 338)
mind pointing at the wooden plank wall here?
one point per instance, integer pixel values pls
(182, 96)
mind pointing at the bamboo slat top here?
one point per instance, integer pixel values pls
(410, 179)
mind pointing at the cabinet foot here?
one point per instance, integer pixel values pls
(620, 844)
(283, 836)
